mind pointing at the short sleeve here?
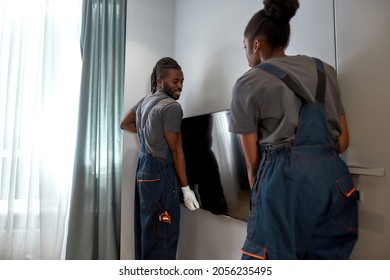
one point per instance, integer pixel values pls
(172, 116)
(243, 113)
(134, 108)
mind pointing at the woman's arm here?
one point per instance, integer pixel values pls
(249, 144)
(344, 137)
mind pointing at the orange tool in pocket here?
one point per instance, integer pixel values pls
(165, 217)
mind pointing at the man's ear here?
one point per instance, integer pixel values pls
(160, 83)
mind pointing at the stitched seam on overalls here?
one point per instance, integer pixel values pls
(341, 221)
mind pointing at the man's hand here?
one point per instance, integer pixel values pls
(189, 198)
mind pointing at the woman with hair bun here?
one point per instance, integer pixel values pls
(292, 125)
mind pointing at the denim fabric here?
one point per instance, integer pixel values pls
(156, 192)
(303, 203)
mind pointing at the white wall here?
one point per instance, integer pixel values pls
(206, 38)
(209, 47)
(312, 31)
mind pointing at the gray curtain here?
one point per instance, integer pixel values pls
(94, 221)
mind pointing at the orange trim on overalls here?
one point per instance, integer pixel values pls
(351, 192)
(255, 256)
(148, 181)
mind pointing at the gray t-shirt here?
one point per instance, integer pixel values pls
(262, 103)
(165, 116)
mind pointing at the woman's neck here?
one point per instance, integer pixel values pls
(274, 53)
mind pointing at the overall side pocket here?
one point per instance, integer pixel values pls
(150, 187)
(348, 200)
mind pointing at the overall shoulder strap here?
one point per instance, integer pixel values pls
(283, 76)
(294, 86)
(321, 84)
(143, 117)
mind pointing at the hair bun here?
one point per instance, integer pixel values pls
(280, 10)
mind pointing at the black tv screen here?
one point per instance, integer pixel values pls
(215, 165)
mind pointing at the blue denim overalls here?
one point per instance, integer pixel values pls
(303, 203)
(157, 201)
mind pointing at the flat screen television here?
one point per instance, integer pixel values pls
(215, 165)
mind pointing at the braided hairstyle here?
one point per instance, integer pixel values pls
(272, 22)
(159, 70)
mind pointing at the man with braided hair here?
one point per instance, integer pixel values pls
(161, 165)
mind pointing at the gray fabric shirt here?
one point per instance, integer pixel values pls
(262, 103)
(165, 116)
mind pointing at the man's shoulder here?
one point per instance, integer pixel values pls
(170, 103)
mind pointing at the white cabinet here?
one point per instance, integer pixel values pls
(363, 62)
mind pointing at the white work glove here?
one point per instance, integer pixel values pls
(189, 198)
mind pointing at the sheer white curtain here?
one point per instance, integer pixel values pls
(40, 67)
